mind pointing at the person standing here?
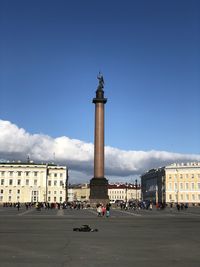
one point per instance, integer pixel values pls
(99, 210)
(18, 205)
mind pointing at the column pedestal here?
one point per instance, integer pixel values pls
(99, 191)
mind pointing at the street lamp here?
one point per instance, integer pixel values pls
(47, 173)
(66, 186)
(177, 187)
(136, 185)
(126, 191)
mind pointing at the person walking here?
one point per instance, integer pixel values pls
(107, 210)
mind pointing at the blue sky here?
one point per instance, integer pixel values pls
(148, 52)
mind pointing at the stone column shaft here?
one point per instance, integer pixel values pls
(99, 141)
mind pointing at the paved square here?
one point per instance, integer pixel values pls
(126, 238)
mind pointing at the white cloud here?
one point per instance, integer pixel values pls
(16, 144)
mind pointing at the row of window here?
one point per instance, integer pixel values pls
(27, 173)
(185, 197)
(181, 176)
(18, 192)
(35, 199)
(121, 191)
(27, 182)
(55, 183)
(183, 186)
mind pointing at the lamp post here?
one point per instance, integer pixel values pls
(177, 187)
(47, 173)
(136, 185)
(66, 186)
(126, 191)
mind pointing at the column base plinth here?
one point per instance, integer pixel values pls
(99, 191)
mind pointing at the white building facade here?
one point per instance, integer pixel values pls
(31, 182)
(124, 192)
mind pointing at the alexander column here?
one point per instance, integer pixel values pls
(99, 184)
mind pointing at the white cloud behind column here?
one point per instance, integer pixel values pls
(16, 144)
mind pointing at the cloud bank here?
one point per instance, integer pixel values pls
(16, 144)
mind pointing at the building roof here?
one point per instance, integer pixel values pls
(25, 163)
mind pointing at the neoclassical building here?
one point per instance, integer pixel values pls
(178, 182)
(116, 191)
(31, 182)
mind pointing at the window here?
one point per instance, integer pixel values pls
(2, 181)
(181, 186)
(35, 182)
(49, 199)
(27, 173)
(170, 177)
(2, 173)
(35, 174)
(193, 197)
(55, 174)
(55, 183)
(9, 198)
(27, 182)
(61, 175)
(18, 182)
(1, 198)
(10, 191)
(186, 186)
(60, 192)
(49, 183)
(187, 197)
(60, 199)
(10, 174)
(18, 191)
(10, 182)
(49, 192)
(61, 183)
(34, 197)
(54, 199)
(175, 186)
(198, 186)
(192, 175)
(187, 176)
(55, 192)
(192, 186)
(181, 176)
(19, 173)
(1, 191)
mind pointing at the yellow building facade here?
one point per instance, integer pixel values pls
(176, 183)
(183, 183)
(30, 182)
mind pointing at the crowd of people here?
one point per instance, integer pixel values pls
(103, 210)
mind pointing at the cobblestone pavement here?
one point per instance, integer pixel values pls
(127, 238)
